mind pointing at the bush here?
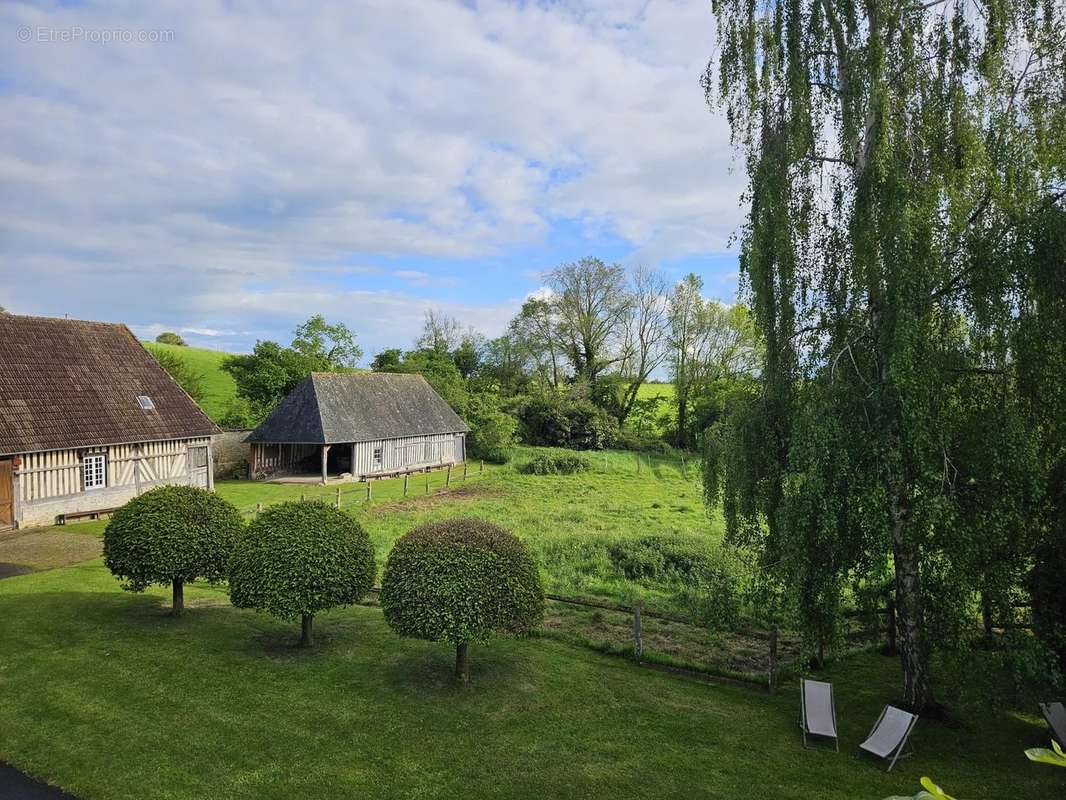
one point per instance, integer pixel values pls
(169, 337)
(558, 421)
(299, 558)
(460, 581)
(628, 440)
(493, 432)
(1047, 588)
(171, 535)
(555, 464)
(706, 579)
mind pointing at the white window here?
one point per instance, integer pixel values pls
(145, 402)
(94, 471)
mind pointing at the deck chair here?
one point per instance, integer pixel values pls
(889, 735)
(1055, 714)
(818, 713)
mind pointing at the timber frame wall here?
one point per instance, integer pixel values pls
(48, 484)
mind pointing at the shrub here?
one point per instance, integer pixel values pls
(460, 581)
(559, 421)
(169, 337)
(299, 558)
(629, 440)
(555, 464)
(171, 535)
(493, 432)
(1047, 588)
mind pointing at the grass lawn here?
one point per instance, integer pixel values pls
(219, 387)
(107, 697)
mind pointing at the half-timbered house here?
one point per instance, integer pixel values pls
(88, 420)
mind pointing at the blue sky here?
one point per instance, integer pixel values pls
(228, 169)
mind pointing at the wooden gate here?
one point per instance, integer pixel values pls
(7, 495)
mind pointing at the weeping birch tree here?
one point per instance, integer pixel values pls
(897, 154)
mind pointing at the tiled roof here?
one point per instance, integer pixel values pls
(330, 408)
(70, 383)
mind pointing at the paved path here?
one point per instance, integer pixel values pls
(15, 785)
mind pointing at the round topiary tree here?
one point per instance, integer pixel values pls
(460, 581)
(299, 558)
(171, 535)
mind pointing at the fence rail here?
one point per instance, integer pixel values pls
(365, 488)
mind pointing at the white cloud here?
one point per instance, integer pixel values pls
(230, 173)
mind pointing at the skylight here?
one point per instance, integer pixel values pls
(145, 402)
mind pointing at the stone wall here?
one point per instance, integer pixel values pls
(230, 453)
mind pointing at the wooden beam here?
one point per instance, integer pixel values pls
(325, 457)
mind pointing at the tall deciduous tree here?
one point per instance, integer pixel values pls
(644, 336)
(535, 330)
(592, 302)
(895, 152)
(440, 332)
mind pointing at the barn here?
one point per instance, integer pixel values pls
(360, 425)
(88, 420)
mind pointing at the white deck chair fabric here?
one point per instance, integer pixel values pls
(1055, 714)
(817, 710)
(889, 734)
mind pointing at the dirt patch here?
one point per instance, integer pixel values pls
(415, 502)
(27, 551)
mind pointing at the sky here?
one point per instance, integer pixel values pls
(226, 170)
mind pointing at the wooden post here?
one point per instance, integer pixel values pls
(637, 457)
(684, 473)
(427, 481)
(258, 508)
(986, 613)
(369, 491)
(466, 465)
(638, 633)
(338, 497)
(481, 466)
(772, 667)
(448, 478)
(406, 481)
(325, 457)
(302, 497)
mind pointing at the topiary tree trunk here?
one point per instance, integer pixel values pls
(462, 668)
(178, 603)
(306, 637)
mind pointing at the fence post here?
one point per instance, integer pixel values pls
(427, 481)
(406, 482)
(638, 633)
(890, 646)
(481, 466)
(369, 491)
(338, 497)
(258, 508)
(448, 478)
(986, 613)
(772, 671)
(302, 497)
(466, 465)
(684, 472)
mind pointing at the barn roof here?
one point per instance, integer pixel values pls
(331, 408)
(69, 383)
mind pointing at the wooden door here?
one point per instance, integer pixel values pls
(198, 467)
(7, 494)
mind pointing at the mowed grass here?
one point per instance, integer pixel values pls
(219, 388)
(107, 697)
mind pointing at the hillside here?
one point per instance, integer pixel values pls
(219, 387)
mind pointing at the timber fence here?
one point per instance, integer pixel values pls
(418, 484)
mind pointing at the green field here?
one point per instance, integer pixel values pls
(108, 697)
(219, 387)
